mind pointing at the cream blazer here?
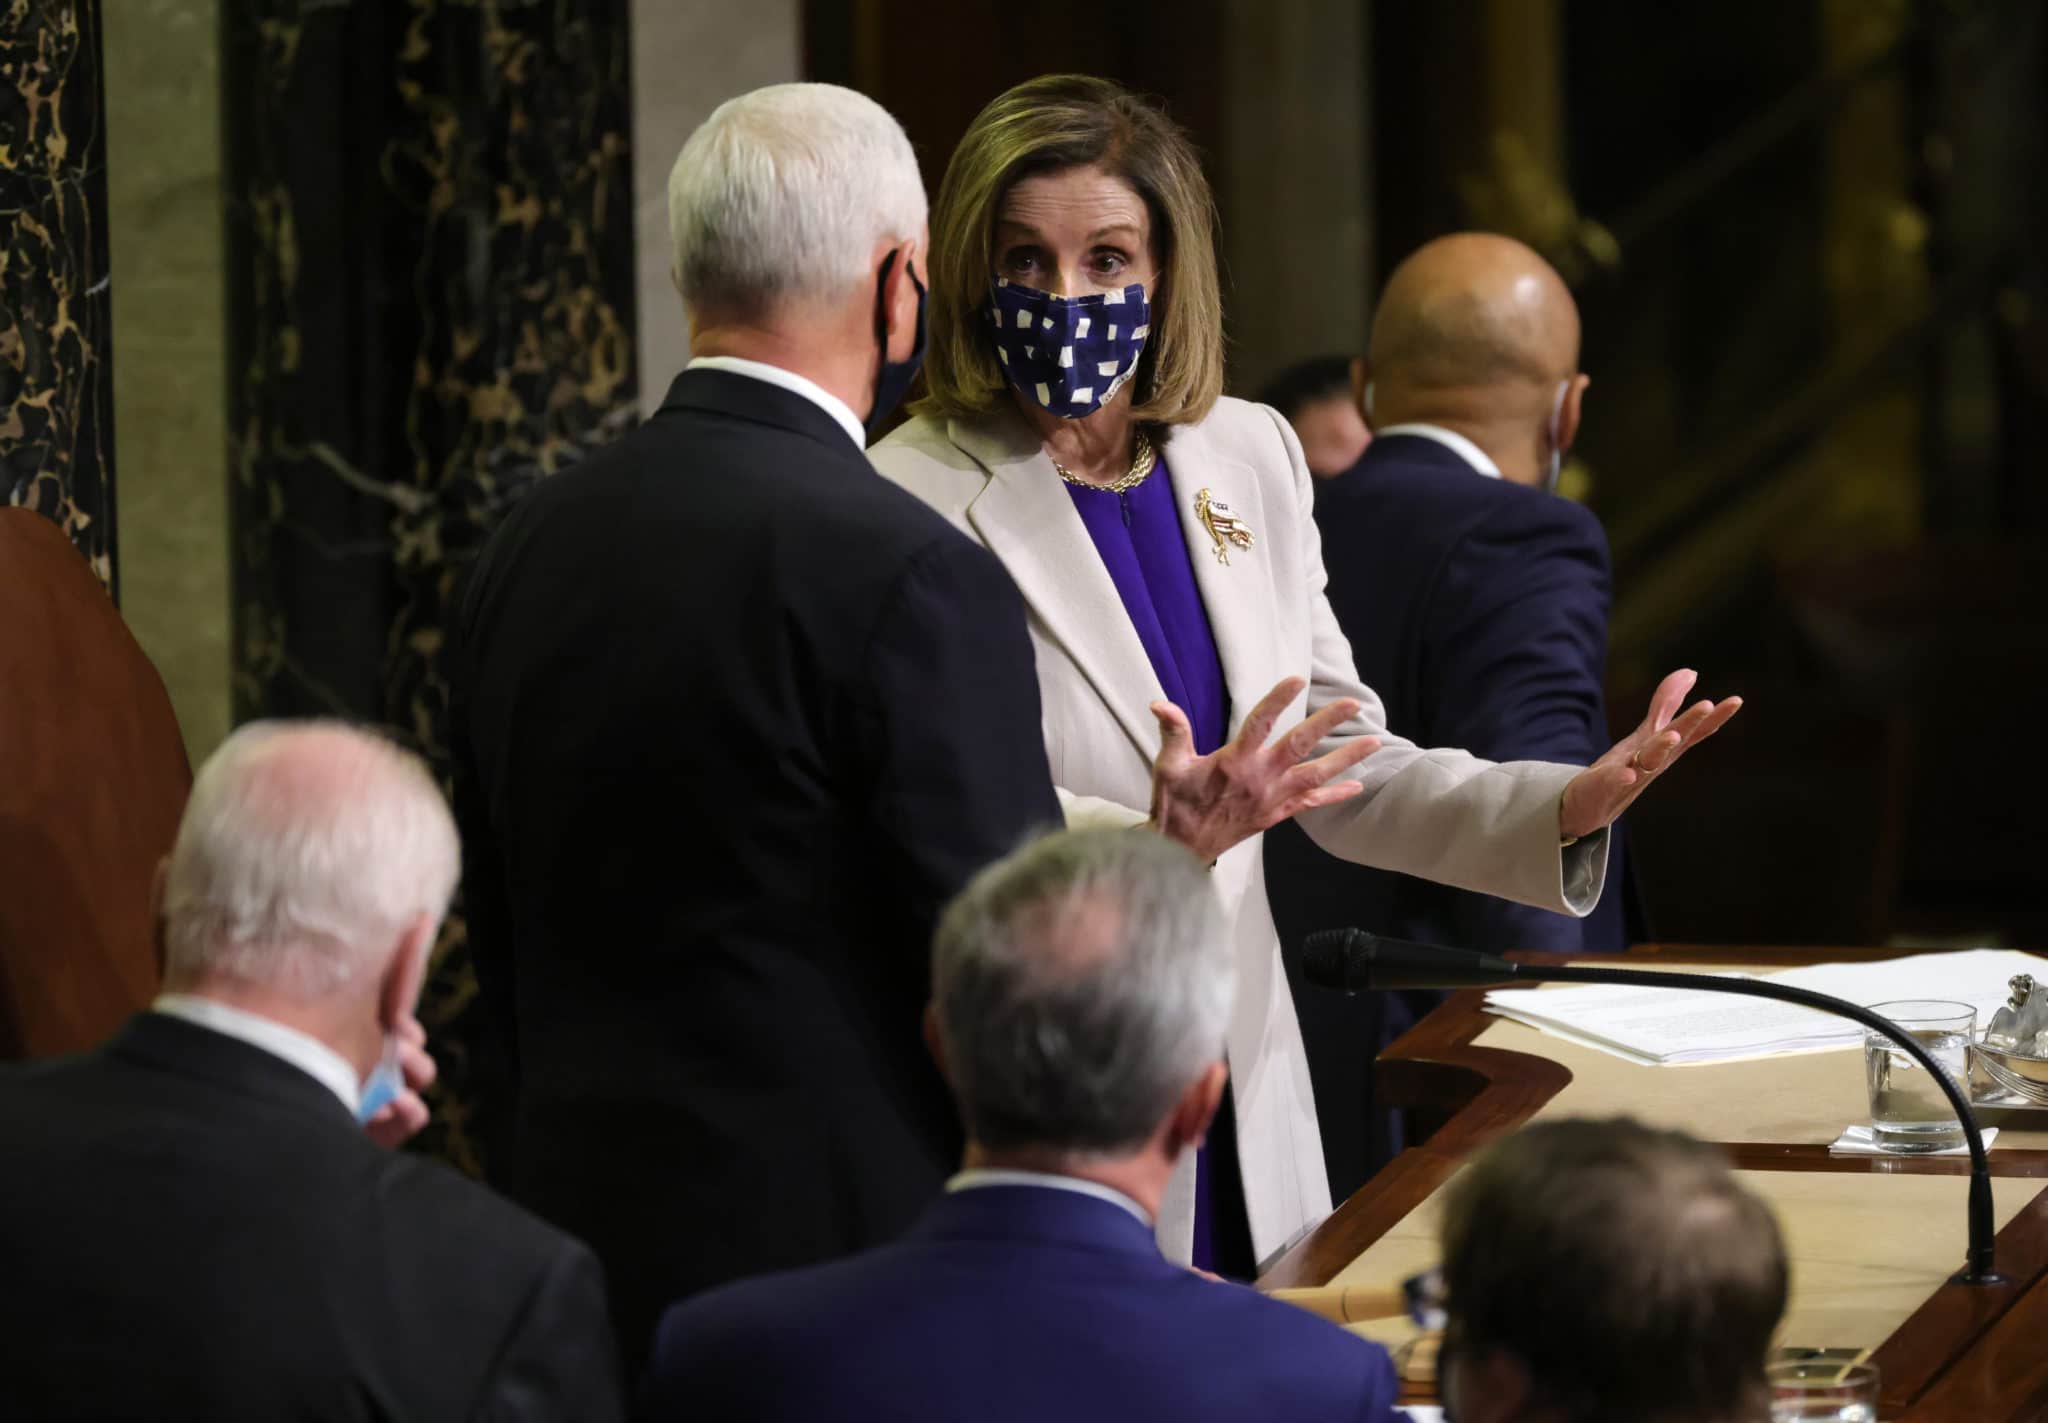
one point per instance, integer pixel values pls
(1440, 814)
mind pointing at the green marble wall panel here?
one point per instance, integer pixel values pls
(430, 306)
(170, 391)
(689, 58)
(56, 393)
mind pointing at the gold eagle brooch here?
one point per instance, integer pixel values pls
(1224, 527)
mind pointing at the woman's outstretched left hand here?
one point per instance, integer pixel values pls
(1210, 803)
(1607, 787)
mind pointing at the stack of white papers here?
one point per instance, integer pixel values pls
(1664, 1026)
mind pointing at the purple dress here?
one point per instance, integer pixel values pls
(1138, 535)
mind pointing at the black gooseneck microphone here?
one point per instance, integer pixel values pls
(1351, 959)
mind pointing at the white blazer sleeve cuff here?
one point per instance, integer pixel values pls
(1582, 872)
(1087, 812)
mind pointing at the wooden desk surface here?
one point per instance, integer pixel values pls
(1945, 1352)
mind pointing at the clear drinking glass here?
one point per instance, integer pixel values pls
(1814, 1389)
(1908, 1110)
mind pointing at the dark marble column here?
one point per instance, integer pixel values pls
(56, 366)
(431, 287)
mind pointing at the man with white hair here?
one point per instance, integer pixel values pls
(734, 717)
(195, 1219)
(1080, 992)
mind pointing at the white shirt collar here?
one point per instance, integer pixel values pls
(982, 1176)
(311, 1056)
(1479, 460)
(790, 381)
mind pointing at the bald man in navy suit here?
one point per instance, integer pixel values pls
(1476, 603)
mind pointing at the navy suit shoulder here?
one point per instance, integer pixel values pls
(1477, 608)
(724, 460)
(1410, 503)
(1506, 543)
(1009, 1303)
(1432, 482)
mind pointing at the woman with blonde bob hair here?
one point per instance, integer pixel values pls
(1161, 535)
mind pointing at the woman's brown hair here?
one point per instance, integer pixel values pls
(1046, 125)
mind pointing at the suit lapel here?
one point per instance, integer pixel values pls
(1026, 518)
(1237, 595)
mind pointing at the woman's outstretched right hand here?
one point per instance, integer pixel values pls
(1210, 803)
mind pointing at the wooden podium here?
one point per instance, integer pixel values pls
(1872, 1239)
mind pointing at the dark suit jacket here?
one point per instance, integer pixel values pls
(1477, 609)
(735, 718)
(193, 1228)
(1010, 1302)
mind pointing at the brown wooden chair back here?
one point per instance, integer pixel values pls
(93, 778)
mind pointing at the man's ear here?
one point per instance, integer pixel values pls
(1493, 1388)
(899, 295)
(400, 992)
(1361, 378)
(1568, 413)
(1197, 1107)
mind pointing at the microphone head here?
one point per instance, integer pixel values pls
(1325, 957)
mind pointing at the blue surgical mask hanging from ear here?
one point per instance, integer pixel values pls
(1556, 469)
(894, 379)
(1068, 353)
(384, 1084)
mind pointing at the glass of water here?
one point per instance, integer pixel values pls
(1814, 1389)
(1908, 1110)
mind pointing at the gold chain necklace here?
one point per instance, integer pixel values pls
(1142, 463)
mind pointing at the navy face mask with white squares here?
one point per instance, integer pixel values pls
(1068, 353)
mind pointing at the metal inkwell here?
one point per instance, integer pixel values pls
(2011, 1062)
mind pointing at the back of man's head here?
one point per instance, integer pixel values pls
(307, 851)
(1080, 986)
(1474, 309)
(1477, 333)
(779, 199)
(1609, 1273)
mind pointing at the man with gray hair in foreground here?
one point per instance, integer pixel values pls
(199, 1219)
(1080, 989)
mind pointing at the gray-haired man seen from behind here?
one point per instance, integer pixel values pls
(733, 718)
(1606, 1272)
(199, 1220)
(1080, 992)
